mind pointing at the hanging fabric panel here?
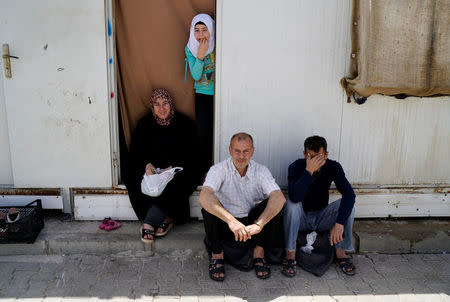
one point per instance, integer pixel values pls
(400, 47)
(150, 40)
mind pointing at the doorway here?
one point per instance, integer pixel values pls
(150, 40)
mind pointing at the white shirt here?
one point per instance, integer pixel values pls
(239, 194)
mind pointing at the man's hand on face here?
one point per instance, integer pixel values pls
(239, 230)
(336, 233)
(253, 229)
(314, 163)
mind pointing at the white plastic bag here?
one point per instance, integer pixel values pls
(310, 239)
(153, 185)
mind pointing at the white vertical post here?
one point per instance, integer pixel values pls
(112, 91)
(67, 200)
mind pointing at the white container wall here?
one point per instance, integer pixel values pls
(279, 64)
(400, 142)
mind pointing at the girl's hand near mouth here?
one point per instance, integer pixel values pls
(204, 45)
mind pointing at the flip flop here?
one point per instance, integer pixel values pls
(104, 223)
(113, 225)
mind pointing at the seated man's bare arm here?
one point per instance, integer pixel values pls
(212, 205)
(273, 207)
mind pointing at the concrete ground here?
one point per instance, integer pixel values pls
(183, 277)
(397, 261)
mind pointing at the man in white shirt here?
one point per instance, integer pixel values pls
(240, 201)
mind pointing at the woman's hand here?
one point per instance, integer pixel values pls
(150, 169)
(202, 49)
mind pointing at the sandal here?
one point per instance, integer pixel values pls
(13, 215)
(215, 270)
(264, 268)
(166, 227)
(289, 267)
(147, 232)
(113, 225)
(346, 266)
(104, 223)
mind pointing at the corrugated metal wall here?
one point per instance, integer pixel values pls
(278, 69)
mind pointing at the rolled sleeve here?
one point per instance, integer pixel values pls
(214, 178)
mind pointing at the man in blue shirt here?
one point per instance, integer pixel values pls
(307, 208)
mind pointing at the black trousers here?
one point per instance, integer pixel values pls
(174, 200)
(204, 115)
(218, 231)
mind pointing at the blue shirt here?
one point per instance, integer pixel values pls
(312, 190)
(202, 72)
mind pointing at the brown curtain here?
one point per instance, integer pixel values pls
(400, 47)
(150, 40)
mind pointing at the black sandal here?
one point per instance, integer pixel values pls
(166, 227)
(215, 270)
(264, 268)
(346, 266)
(289, 267)
(147, 232)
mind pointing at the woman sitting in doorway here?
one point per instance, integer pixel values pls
(163, 139)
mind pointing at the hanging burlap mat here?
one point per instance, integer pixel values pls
(399, 47)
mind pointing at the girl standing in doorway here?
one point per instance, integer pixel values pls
(201, 59)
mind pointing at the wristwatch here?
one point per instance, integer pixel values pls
(258, 223)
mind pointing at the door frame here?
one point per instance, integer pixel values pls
(113, 104)
(5, 166)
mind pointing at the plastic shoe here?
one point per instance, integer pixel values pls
(113, 225)
(104, 223)
(13, 215)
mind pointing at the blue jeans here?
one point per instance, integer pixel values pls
(295, 220)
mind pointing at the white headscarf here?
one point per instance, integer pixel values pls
(193, 44)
